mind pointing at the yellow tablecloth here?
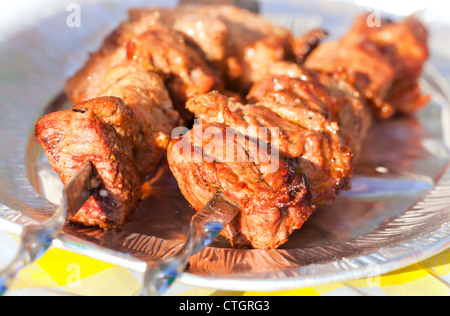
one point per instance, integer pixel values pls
(63, 273)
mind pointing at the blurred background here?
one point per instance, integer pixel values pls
(27, 11)
(23, 14)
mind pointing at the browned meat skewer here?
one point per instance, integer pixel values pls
(237, 73)
(307, 135)
(308, 130)
(71, 138)
(274, 199)
(150, 64)
(322, 113)
(154, 118)
(383, 62)
(125, 134)
(126, 131)
(240, 45)
(160, 49)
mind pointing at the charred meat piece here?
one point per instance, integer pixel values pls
(405, 45)
(355, 116)
(303, 45)
(384, 63)
(330, 147)
(138, 117)
(157, 47)
(240, 44)
(315, 101)
(183, 70)
(73, 137)
(252, 120)
(359, 63)
(309, 124)
(308, 120)
(154, 118)
(87, 82)
(273, 198)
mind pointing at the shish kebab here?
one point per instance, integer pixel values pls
(322, 108)
(143, 70)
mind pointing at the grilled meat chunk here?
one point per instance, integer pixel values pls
(138, 117)
(89, 132)
(354, 118)
(405, 46)
(154, 117)
(303, 45)
(312, 128)
(158, 48)
(87, 82)
(183, 70)
(384, 63)
(313, 100)
(309, 119)
(273, 198)
(241, 45)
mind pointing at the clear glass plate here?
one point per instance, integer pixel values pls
(396, 214)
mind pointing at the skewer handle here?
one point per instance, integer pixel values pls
(37, 238)
(205, 226)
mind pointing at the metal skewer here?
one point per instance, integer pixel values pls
(37, 238)
(205, 226)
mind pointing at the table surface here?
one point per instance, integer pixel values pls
(61, 273)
